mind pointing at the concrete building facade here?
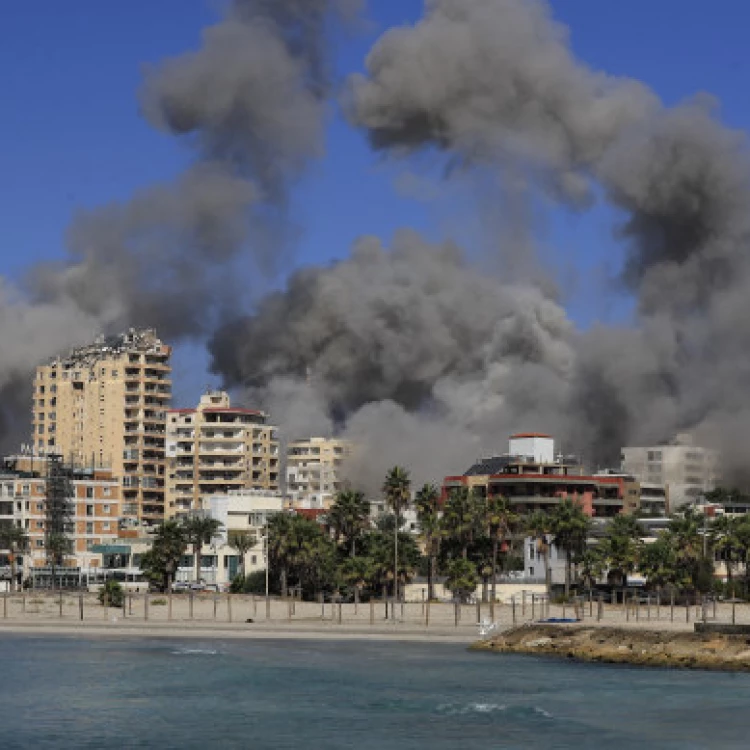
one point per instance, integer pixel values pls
(313, 471)
(96, 510)
(686, 471)
(532, 484)
(215, 449)
(105, 405)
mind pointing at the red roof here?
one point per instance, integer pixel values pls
(312, 513)
(530, 435)
(180, 411)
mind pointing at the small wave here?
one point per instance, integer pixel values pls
(191, 651)
(460, 709)
(454, 709)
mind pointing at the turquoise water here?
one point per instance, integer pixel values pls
(111, 693)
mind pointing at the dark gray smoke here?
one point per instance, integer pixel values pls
(178, 256)
(492, 82)
(410, 340)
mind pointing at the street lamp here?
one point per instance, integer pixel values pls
(265, 551)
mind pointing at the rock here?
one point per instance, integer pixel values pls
(538, 642)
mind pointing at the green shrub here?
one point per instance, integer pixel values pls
(111, 594)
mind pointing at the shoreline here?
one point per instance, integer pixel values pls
(650, 648)
(241, 631)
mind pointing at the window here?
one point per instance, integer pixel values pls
(654, 455)
(106, 510)
(114, 373)
(89, 527)
(105, 526)
(40, 524)
(25, 489)
(40, 542)
(254, 560)
(89, 510)
(40, 507)
(107, 492)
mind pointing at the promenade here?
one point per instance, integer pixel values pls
(236, 615)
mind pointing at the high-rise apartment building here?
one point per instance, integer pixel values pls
(105, 405)
(686, 471)
(216, 448)
(313, 471)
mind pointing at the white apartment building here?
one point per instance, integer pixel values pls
(313, 471)
(685, 470)
(239, 511)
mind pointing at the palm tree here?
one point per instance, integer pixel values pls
(461, 517)
(430, 528)
(15, 540)
(726, 541)
(500, 520)
(280, 545)
(162, 560)
(621, 546)
(539, 526)
(58, 545)
(397, 492)
(243, 542)
(349, 516)
(200, 530)
(570, 526)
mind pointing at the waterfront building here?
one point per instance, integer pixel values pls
(533, 477)
(93, 521)
(313, 471)
(104, 405)
(685, 470)
(215, 449)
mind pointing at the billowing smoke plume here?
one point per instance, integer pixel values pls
(415, 354)
(410, 350)
(178, 255)
(493, 80)
(410, 340)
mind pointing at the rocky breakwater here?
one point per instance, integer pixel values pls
(643, 647)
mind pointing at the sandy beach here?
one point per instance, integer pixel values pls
(247, 616)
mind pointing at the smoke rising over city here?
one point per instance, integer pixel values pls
(413, 350)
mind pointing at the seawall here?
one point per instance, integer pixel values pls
(619, 646)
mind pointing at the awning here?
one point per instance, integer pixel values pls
(110, 549)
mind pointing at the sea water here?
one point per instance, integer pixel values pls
(123, 693)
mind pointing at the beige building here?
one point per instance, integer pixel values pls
(216, 448)
(313, 471)
(686, 471)
(105, 405)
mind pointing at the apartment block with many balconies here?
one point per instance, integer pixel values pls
(217, 448)
(313, 471)
(105, 405)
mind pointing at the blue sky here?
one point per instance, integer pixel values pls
(71, 135)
